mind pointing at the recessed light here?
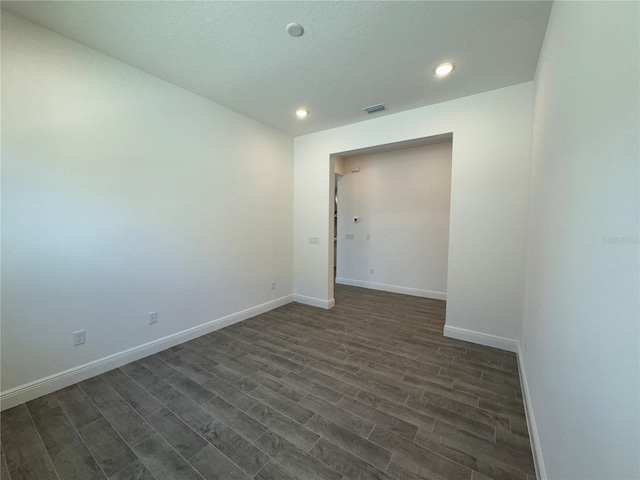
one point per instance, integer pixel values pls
(295, 29)
(444, 69)
(301, 113)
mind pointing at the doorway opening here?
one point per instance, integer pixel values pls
(337, 177)
(391, 209)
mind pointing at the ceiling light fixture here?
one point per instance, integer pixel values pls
(444, 69)
(301, 113)
(295, 29)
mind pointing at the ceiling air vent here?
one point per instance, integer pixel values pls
(375, 108)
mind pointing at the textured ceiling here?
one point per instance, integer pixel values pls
(352, 55)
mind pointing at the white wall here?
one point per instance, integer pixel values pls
(340, 166)
(490, 175)
(581, 317)
(401, 198)
(123, 194)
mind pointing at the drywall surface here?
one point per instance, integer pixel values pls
(122, 195)
(340, 166)
(581, 311)
(489, 181)
(401, 199)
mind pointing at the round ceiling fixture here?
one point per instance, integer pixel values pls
(444, 69)
(302, 112)
(295, 29)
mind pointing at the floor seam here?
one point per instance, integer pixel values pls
(53, 465)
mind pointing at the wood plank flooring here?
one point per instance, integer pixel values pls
(368, 390)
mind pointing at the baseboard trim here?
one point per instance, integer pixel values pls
(52, 383)
(315, 302)
(541, 473)
(416, 292)
(481, 338)
(511, 346)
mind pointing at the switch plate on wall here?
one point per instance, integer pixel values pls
(153, 318)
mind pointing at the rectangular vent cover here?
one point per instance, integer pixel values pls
(375, 108)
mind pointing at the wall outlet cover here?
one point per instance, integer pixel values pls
(78, 338)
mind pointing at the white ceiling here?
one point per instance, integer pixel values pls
(352, 55)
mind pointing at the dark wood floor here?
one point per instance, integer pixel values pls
(368, 390)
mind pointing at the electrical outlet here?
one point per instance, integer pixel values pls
(153, 318)
(78, 338)
(368, 236)
(273, 285)
(371, 270)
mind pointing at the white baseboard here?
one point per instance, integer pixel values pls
(481, 338)
(315, 302)
(44, 386)
(541, 473)
(511, 346)
(416, 292)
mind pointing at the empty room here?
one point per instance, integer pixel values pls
(313, 240)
